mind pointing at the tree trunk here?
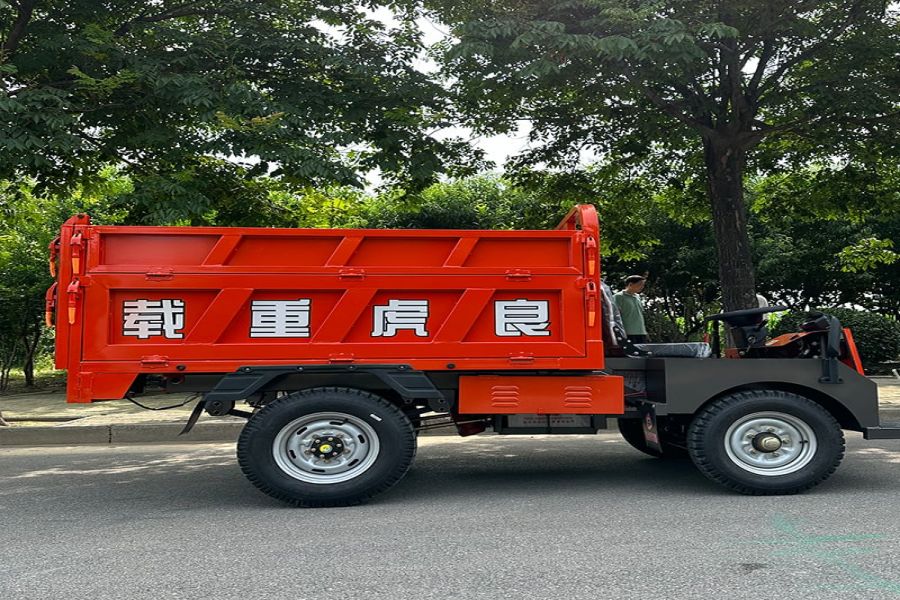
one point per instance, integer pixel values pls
(31, 346)
(28, 371)
(725, 189)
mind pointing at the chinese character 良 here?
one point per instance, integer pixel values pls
(521, 317)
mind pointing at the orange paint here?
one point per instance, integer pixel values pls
(548, 394)
(212, 299)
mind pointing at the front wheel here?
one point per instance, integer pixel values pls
(326, 447)
(766, 442)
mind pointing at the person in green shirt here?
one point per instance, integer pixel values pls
(632, 309)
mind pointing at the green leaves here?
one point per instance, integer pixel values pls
(718, 30)
(703, 90)
(322, 92)
(104, 86)
(866, 254)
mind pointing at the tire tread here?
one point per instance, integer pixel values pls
(700, 457)
(257, 423)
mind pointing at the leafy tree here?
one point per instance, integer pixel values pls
(30, 221)
(803, 226)
(23, 280)
(699, 92)
(305, 92)
(480, 202)
(824, 236)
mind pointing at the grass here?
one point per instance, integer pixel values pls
(44, 381)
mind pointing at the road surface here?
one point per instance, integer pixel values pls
(582, 517)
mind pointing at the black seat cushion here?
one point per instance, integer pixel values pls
(685, 349)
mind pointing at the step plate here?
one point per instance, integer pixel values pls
(890, 432)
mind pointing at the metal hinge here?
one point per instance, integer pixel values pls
(341, 358)
(518, 275)
(154, 360)
(352, 274)
(159, 275)
(522, 359)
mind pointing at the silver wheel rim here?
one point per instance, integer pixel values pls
(295, 450)
(797, 443)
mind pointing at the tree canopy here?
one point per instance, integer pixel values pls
(311, 93)
(681, 90)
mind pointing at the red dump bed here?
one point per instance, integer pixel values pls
(176, 300)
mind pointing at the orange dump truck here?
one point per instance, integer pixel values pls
(340, 345)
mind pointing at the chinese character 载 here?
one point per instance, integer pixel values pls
(148, 318)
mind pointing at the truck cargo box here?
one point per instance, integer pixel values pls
(183, 300)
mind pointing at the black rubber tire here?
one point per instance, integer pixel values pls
(706, 442)
(633, 432)
(395, 435)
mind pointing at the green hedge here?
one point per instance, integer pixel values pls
(660, 328)
(877, 337)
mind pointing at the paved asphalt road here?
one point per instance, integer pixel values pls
(485, 517)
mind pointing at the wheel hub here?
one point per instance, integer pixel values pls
(767, 442)
(770, 443)
(326, 448)
(329, 447)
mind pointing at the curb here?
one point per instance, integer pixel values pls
(151, 433)
(130, 433)
(134, 433)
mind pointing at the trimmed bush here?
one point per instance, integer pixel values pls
(877, 337)
(660, 328)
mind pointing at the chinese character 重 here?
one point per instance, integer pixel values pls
(280, 318)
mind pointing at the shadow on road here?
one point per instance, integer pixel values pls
(197, 476)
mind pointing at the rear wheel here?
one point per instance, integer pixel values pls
(633, 432)
(326, 447)
(765, 442)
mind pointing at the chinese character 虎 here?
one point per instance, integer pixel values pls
(280, 318)
(521, 317)
(401, 314)
(149, 318)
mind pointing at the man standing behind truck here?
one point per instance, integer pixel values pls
(629, 303)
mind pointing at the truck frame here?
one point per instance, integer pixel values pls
(339, 346)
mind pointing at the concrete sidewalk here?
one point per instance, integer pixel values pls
(42, 418)
(45, 418)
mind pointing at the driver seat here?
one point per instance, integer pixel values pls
(617, 342)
